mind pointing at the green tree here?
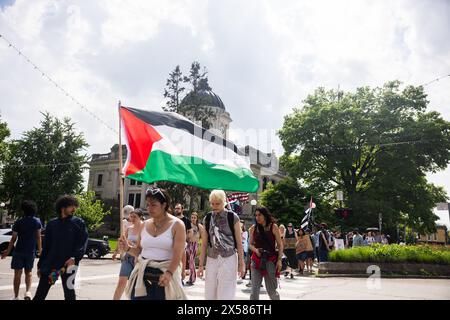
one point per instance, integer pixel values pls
(193, 105)
(91, 210)
(374, 144)
(44, 164)
(174, 90)
(4, 150)
(287, 200)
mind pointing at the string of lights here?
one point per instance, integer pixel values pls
(43, 164)
(435, 80)
(45, 75)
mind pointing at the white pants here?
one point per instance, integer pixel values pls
(221, 278)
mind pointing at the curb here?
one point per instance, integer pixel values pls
(386, 276)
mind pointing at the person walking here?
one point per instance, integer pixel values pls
(222, 243)
(304, 250)
(266, 260)
(159, 249)
(125, 224)
(179, 213)
(193, 247)
(127, 263)
(63, 248)
(290, 239)
(27, 232)
(244, 235)
(324, 246)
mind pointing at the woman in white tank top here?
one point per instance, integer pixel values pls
(161, 239)
(127, 263)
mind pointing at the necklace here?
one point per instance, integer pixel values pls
(160, 224)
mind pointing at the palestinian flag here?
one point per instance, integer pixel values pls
(165, 146)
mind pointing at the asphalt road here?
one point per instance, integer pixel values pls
(96, 280)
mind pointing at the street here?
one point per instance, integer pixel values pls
(96, 280)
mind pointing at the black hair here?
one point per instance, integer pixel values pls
(268, 219)
(161, 198)
(29, 208)
(64, 202)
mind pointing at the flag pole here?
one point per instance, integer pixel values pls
(120, 172)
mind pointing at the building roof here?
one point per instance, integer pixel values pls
(203, 96)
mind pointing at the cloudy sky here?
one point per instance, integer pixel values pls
(263, 56)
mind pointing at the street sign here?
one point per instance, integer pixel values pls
(340, 195)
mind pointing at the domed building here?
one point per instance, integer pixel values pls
(205, 98)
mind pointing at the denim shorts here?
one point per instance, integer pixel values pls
(127, 266)
(22, 261)
(305, 255)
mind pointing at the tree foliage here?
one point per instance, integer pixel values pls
(91, 210)
(44, 164)
(4, 149)
(375, 144)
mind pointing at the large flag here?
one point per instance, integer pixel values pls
(165, 146)
(307, 218)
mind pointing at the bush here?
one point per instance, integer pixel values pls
(393, 253)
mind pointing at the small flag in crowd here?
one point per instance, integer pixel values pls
(307, 218)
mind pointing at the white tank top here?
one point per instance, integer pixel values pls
(159, 248)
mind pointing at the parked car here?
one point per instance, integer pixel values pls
(5, 237)
(95, 248)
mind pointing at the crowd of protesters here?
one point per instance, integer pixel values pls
(159, 253)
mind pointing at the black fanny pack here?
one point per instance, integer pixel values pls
(152, 275)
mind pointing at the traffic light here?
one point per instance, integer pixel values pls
(343, 213)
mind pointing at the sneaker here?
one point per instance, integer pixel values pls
(27, 296)
(239, 281)
(248, 284)
(189, 284)
(292, 276)
(15, 298)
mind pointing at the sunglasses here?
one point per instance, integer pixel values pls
(155, 191)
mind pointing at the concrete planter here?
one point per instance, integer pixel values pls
(385, 268)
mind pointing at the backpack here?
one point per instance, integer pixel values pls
(230, 218)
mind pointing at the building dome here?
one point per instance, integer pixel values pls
(203, 96)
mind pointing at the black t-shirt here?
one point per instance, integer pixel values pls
(187, 223)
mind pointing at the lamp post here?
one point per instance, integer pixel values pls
(253, 203)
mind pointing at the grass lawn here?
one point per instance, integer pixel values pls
(112, 244)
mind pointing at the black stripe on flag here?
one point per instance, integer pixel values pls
(171, 119)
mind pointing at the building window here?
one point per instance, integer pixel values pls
(139, 183)
(132, 182)
(99, 180)
(131, 199)
(137, 203)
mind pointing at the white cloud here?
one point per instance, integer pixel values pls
(263, 58)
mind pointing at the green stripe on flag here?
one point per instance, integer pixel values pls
(195, 171)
